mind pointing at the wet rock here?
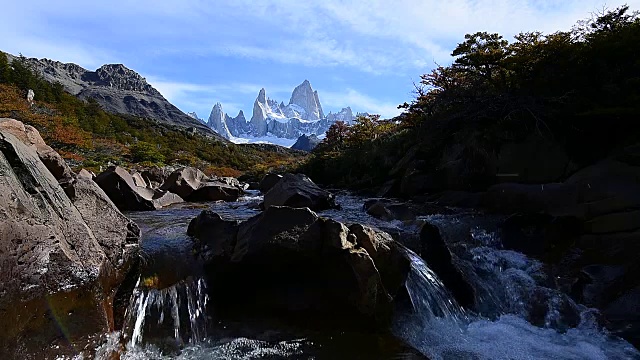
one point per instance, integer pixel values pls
(184, 181)
(216, 237)
(440, 259)
(63, 258)
(289, 261)
(118, 184)
(297, 190)
(269, 181)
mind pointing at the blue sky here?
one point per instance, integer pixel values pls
(363, 54)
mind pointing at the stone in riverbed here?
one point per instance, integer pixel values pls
(269, 181)
(297, 190)
(184, 181)
(118, 184)
(292, 261)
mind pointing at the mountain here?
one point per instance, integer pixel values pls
(193, 115)
(117, 89)
(303, 115)
(306, 143)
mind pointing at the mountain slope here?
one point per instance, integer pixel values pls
(117, 89)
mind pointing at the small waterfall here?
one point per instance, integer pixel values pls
(429, 297)
(172, 316)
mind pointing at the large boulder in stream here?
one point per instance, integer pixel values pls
(269, 181)
(297, 190)
(289, 262)
(184, 181)
(121, 188)
(193, 185)
(63, 255)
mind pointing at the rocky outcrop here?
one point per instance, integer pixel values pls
(63, 257)
(193, 185)
(306, 143)
(218, 121)
(154, 176)
(297, 190)
(304, 97)
(289, 261)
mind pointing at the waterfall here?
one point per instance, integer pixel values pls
(177, 312)
(429, 297)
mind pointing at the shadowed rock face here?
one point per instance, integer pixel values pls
(288, 261)
(118, 90)
(306, 143)
(63, 255)
(297, 190)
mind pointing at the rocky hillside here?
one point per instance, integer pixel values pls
(117, 89)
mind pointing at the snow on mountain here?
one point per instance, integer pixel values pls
(274, 122)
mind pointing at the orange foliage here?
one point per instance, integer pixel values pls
(222, 171)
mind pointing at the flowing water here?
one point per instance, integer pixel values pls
(168, 316)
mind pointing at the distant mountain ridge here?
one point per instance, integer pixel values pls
(302, 116)
(117, 89)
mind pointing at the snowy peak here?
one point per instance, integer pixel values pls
(306, 99)
(272, 119)
(218, 121)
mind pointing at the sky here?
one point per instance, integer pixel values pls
(362, 54)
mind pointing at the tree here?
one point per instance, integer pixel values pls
(144, 151)
(481, 54)
(336, 135)
(5, 69)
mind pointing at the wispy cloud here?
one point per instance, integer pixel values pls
(359, 102)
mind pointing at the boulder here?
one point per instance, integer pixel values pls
(269, 181)
(31, 137)
(154, 177)
(138, 180)
(162, 199)
(215, 236)
(291, 262)
(184, 181)
(389, 210)
(118, 184)
(84, 173)
(63, 259)
(215, 191)
(297, 190)
(436, 253)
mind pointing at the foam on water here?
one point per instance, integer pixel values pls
(443, 330)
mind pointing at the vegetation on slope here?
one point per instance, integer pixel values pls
(89, 137)
(579, 89)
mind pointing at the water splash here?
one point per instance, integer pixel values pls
(179, 310)
(429, 297)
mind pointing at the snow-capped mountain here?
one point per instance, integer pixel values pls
(270, 119)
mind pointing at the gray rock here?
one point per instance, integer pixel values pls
(289, 259)
(306, 143)
(297, 190)
(184, 181)
(63, 259)
(118, 184)
(215, 191)
(269, 181)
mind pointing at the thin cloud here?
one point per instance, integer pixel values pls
(358, 102)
